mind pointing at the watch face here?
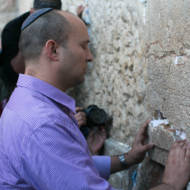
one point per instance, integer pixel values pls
(122, 159)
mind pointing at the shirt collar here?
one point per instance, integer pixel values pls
(46, 89)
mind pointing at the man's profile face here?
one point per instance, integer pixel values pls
(76, 54)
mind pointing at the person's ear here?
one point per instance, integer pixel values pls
(51, 50)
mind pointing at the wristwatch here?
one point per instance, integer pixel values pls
(122, 160)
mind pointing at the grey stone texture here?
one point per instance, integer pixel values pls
(149, 175)
(8, 10)
(116, 79)
(167, 56)
(120, 180)
(159, 155)
(162, 134)
(7, 6)
(24, 5)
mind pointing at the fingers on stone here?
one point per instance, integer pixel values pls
(178, 144)
(148, 147)
(143, 130)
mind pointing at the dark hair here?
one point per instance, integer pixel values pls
(10, 39)
(55, 4)
(52, 26)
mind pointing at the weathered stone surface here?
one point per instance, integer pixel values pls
(113, 147)
(167, 56)
(24, 5)
(116, 80)
(8, 5)
(120, 180)
(149, 175)
(6, 17)
(163, 135)
(159, 155)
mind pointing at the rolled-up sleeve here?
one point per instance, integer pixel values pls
(53, 159)
(103, 165)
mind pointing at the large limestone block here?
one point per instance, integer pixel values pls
(162, 134)
(168, 59)
(149, 175)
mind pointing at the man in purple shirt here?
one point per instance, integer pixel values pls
(41, 147)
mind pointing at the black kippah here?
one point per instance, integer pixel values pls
(34, 16)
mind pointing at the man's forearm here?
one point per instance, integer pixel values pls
(116, 164)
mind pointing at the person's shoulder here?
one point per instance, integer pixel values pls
(34, 107)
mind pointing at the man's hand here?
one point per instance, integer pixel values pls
(136, 154)
(177, 170)
(80, 10)
(139, 148)
(96, 139)
(80, 116)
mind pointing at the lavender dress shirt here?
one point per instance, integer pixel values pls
(41, 146)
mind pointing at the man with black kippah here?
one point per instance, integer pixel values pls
(41, 146)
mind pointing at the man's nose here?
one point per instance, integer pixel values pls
(89, 56)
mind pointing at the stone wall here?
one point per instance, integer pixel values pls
(116, 79)
(8, 10)
(168, 61)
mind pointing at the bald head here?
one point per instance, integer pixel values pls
(74, 20)
(55, 48)
(54, 25)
